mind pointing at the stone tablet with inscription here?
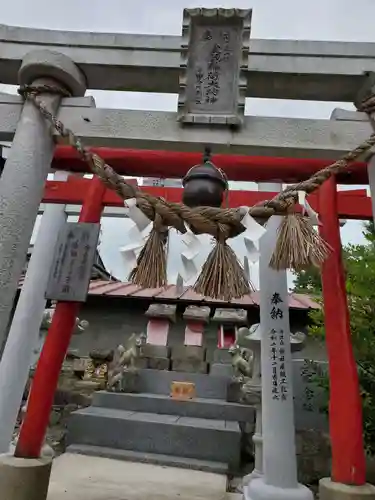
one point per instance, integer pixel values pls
(214, 65)
(74, 257)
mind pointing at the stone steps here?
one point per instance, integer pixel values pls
(149, 458)
(159, 382)
(171, 435)
(215, 409)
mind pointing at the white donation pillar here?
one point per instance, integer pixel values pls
(279, 481)
(25, 328)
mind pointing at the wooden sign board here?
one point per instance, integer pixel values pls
(182, 390)
(214, 64)
(74, 257)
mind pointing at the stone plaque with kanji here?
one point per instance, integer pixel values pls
(214, 63)
(74, 257)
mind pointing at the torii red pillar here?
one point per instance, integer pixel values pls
(34, 426)
(345, 406)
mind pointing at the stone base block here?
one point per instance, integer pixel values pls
(188, 352)
(88, 385)
(189, 366)
(230, 316)
(222, 356)
(155, 351)
(141, 363)
(167, 311)
(196, 313)
(221, 370)
(234, 394)
(329, 490)
(130, 382)
(159, 363)
(24, 479)
(259, 490)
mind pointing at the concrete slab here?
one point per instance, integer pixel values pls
(150, 458)
(78, 477)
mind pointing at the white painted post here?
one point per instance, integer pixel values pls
(25, 328)
(279, 479)
(26, 169)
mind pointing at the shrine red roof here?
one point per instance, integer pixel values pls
(170, 294)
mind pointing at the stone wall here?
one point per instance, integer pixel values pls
(113, 320)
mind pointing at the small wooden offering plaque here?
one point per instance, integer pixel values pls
(182, 390)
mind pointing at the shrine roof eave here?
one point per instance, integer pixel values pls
(187, 296)
(170, 294)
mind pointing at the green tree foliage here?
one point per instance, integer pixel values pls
(359, 265)
(308, 281)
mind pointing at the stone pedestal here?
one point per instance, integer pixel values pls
(228, 319)
(189, 358)
(156, 357)
(329, 490)
(24, 479)
(161, 315)
(227, 316)
(196, 318)
(234, 393)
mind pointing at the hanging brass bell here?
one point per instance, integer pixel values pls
(204, 185)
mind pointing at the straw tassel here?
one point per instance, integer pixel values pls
(151, 268)
(222, 276)
(299, 245)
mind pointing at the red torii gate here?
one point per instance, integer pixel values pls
(348, 460)
(172, 164)
(354, 204)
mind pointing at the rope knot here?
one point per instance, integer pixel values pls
(33, 90)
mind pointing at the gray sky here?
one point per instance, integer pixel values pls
(341, 20)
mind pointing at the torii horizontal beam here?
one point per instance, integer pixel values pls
(171, 164)
(351, 204)
(281, 69)
(159, 130)
(266, 149)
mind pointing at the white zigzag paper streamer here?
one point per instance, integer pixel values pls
(130, 251)
(136, 215)
(193, 247)
(307, 209)
(251, 236)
